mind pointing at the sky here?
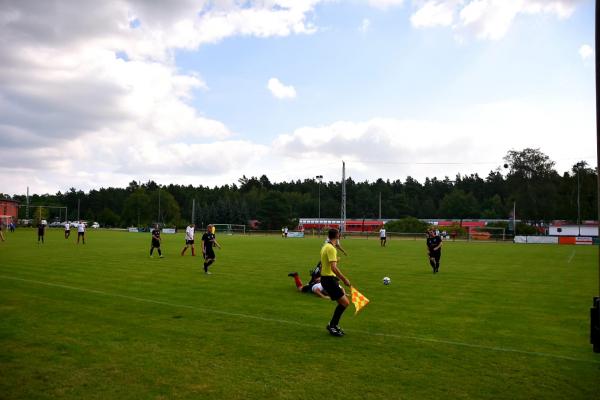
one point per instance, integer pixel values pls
(98, 94)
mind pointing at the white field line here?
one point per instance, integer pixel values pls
(282, 321)
(571, 257)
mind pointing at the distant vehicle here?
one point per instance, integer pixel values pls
(95, 225)
(56, 224)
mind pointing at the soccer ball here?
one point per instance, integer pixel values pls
(387, 281)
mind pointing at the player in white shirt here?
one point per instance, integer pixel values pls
(382, 237)
(67, 230)
(189, 239)
(313, 286)
(81, 232)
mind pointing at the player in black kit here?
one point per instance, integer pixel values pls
(208, 241)
(156, 241)
(434, 250)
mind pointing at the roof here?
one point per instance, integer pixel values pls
(464, 223)
(566, 223)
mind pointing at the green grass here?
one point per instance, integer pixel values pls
(104, 321)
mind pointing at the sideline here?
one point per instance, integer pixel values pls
(282, 321)
(571, 257)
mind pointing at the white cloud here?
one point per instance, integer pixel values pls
(385, 4)
(434, 13)
(385, 148)
(586, 51)
(562, 8)
(393, 148)
(99, 100)
(485, 19)
(489, 19)
(364, 25)
(281, 91)
(93, 87)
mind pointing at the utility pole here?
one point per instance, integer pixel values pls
(158, 218)
(27, 208)
(514, 218)
(319, 178)
(578, 204)
(78, 209)
(343, 214)
(193, 211)
(380, 206)
(595, 310)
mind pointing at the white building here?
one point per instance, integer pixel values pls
(585, 229)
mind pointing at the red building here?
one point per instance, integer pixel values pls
(470, 225)
(9, 211)
(352, 225)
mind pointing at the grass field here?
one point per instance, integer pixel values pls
(104, 321)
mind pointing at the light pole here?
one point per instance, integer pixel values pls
(514, 213)
(578, 204)
(320, 179)
(158, 220)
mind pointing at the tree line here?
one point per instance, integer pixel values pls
(527, 182)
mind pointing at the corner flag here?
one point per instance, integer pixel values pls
(359, 300)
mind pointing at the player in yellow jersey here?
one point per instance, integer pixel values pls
(330, 277)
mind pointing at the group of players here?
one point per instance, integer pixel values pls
(326, 275)
(42, 226)
(209, 241)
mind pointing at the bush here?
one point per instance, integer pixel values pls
(454, 228)
(406, 225)
(526, 229)
(499, 224)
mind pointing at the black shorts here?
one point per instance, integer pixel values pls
(436, 255)
(80, 233)
(155, 243)
(332, 287)
(210, 253)
(188, 242)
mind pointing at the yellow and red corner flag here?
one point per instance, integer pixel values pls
(359, 300)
